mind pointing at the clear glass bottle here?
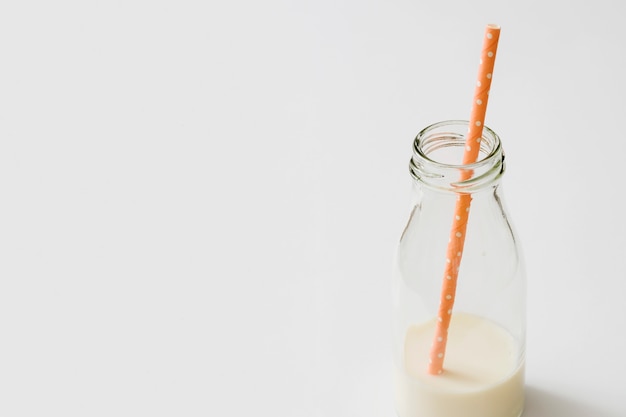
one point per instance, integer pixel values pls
(483, 368)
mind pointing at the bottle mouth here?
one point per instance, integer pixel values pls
(438, 154)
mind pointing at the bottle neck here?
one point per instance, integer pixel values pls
(438, 154)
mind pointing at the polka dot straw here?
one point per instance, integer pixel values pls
(461, 212)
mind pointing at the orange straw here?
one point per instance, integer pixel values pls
(461, 212)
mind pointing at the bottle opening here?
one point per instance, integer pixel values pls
(438, 154)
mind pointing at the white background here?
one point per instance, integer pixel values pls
(200, 201)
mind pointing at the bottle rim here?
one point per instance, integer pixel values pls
(427, 169)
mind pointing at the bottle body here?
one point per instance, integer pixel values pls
(484, 356)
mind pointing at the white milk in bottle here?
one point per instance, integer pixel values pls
(481, 378)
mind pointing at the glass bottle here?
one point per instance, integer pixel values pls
(483, 368)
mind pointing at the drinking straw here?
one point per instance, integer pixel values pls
(462, 208)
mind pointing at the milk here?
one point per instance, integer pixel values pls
(482, 373)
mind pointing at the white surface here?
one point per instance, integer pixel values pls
(199, 201)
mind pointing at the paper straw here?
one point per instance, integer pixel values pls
(461, 212)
